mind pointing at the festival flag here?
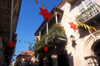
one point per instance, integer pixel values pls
(36, 1)
(55, 13)
(42, 6)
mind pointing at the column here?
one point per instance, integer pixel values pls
(56, 18)
(47, 28)
(39, 35)
(46, 32)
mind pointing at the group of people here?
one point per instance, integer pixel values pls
(25, 62)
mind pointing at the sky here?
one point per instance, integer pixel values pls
(28, 22)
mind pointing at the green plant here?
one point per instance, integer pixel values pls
(98, 5)
(56, 31)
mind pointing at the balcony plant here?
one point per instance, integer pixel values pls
(55, 32)
(87, 13)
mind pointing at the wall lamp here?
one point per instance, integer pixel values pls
(72, 38)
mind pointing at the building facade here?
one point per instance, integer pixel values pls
(9, 13)
(81, 45)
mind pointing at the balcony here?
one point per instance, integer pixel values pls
(90, 15)
(56, 35)
(72, 1)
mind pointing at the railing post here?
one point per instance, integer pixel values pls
(39, 35)
(47, 28)
(56, 18)
(97, 7)
(46, 32)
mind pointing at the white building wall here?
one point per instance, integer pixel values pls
(96, 1)
(77, 53)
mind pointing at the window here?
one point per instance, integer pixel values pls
(84, 4)
(81, 7)
(88, 3)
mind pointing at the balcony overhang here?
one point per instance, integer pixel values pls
(52, 50)
(94, 19)
(61, 42)
(72, 1)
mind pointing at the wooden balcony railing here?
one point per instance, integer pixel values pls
(90, 14)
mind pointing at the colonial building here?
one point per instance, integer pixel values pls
(9, 13)
(77, 44)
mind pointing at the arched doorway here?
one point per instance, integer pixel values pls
(97, 52)
(91, 49)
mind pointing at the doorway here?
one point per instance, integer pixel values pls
(63, 58)
(97, 52)
(41, 62)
